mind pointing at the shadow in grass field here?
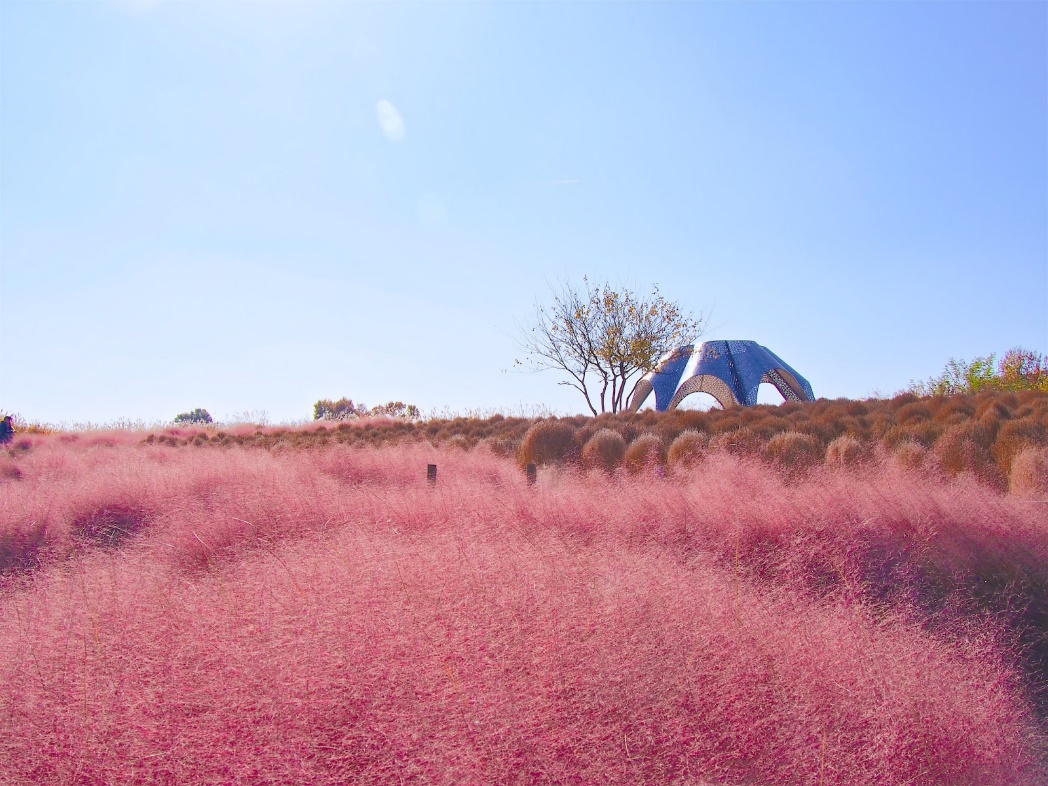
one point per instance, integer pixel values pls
(699, 609)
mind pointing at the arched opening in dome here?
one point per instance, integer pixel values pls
(767, 393)
(700, 402)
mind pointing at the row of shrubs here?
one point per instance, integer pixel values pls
(982, 434)
(1022, 466)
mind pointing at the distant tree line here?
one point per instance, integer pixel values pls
(345, 409)
(1018, 369)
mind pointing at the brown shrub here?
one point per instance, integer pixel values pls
(456, 442)
(548, 442)
(990, 409)
(895, 436)
(913, 412)
(770, 425)
(926, 432)
(966, 448)
(953, 409)
(739, 442)
(645, 451)
(910, 455)
(794, 452)
(725, 421)
(501, 447)
(856, 427)
(842, 407)
(604, 450)
(824, 431)
(1000, 403)
(688, 448)
(846, 451)
(1013, 436)
(880, 423)
(900, 400)
(1029, 472)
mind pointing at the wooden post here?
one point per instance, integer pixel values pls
(431, 473)
(533, 474)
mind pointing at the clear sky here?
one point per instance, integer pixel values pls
(248, 206)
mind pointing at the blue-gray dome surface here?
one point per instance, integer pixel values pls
(730, 371)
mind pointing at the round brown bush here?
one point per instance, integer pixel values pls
(924, 432)
(913, 412)
(501, 447)
(965, 447)
(845, 451)
(955, 409)
(1029, 472)
(1014, 436)
(456, 442)
(645, 451)
(991, 424)
(910, 455)
(900, 400)
(725, 421)
(824, 431)
(794, 452)
(604, 450)
(769, 425)
(742, 441)
(995, 405)
(548, 442)
(688, 448)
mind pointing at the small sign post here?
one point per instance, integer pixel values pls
(431, 474)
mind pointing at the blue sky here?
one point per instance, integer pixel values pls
(248, 206)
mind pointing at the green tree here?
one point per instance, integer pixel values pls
(1018, 369)
(195, 418)
(602, 338)
(1022, 369)
(345, 409)
(396, 409)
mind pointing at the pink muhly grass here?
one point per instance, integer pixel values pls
(327, 616)
(467, 655)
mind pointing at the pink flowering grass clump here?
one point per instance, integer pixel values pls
(327, 616)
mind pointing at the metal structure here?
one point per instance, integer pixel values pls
(730, 371)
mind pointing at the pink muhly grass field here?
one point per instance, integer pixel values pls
(325, 616)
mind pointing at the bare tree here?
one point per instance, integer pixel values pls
(603, 337)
